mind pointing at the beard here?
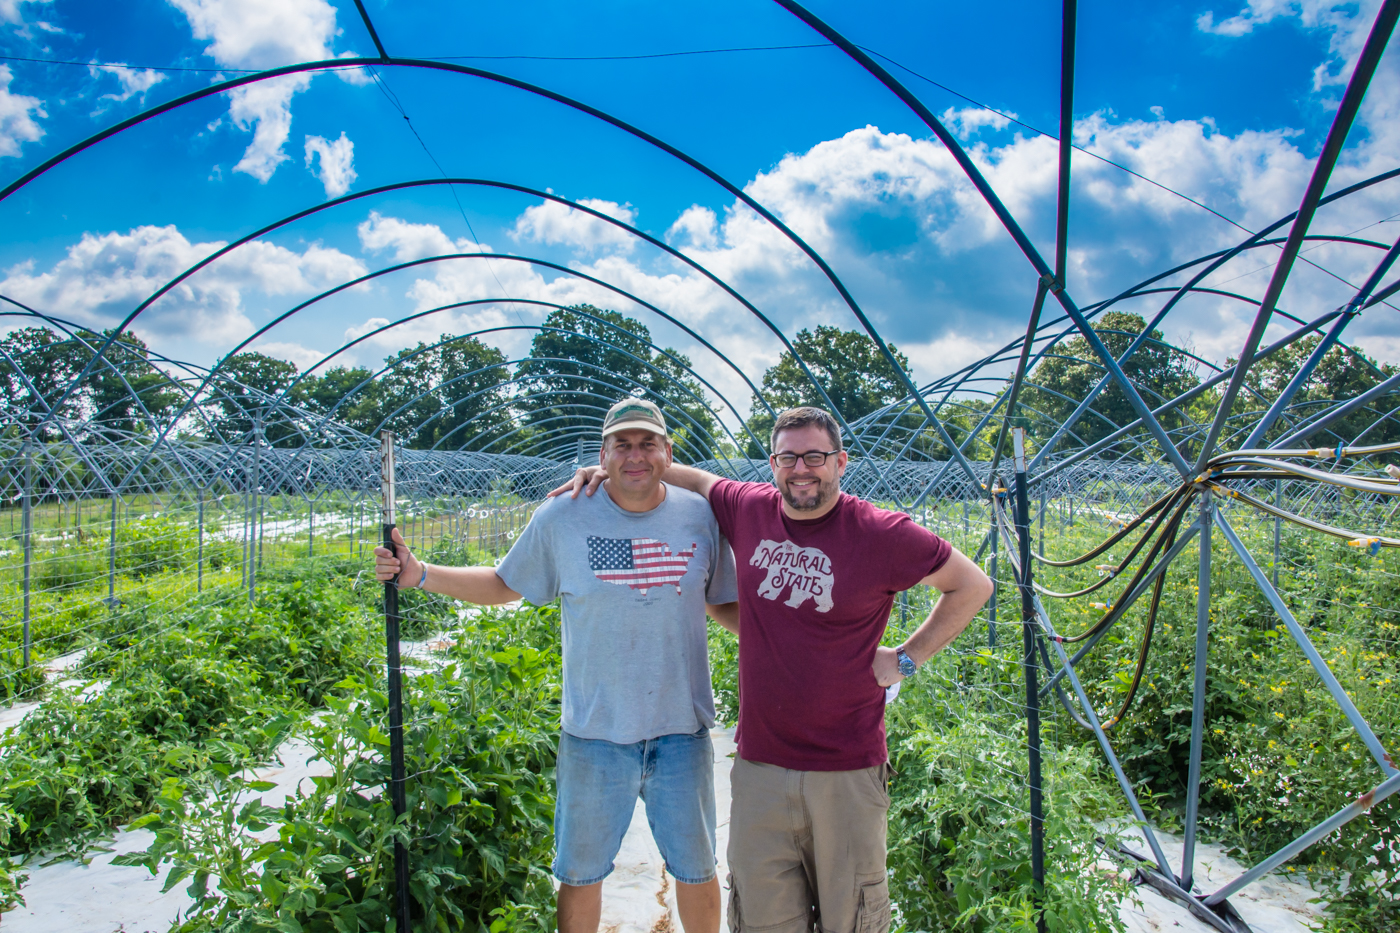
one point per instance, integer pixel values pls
(825, 491)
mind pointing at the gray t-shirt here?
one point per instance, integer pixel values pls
(634, 588)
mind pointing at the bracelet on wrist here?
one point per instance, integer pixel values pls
(423, 579)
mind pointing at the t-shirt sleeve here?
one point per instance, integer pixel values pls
(724, 502)
(916, 552)
(723, 585)
(530, 568)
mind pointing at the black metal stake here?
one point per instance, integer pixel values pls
(1023, 537)
(397, 779)
(200, 580)
(28, 526)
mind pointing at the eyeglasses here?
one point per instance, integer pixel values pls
(813, 458)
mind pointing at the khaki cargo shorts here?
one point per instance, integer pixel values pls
(807, 850)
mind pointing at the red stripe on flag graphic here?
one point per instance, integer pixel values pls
(653, 565)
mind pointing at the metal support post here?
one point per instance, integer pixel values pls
(1042, 518)
(247, 534)
(1198, 694)
(397, 780)
(1124, 784)
(112, 555)
(254, 509)
(259, 500)
(1278, 522)
(200, 583)
(992, 603)
(310, 527)
(1029, 665)
(27, 527)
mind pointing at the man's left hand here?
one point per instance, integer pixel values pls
(886, 666)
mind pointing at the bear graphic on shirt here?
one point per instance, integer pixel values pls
(805, 572)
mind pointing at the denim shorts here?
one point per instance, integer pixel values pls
(599, 783)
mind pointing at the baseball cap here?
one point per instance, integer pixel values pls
(634, 413)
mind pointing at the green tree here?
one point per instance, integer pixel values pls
(36, 366)
(248, 391)
(1057, 385)
(586, 358)
(1342, 373)
(330, 394)
(849, 366)
(452, 393)
(128, 396)
(121, 395)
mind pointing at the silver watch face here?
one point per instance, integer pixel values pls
(906, 664)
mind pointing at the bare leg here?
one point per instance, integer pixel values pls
(580, 908)
(698, 905)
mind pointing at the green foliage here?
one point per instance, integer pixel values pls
(1057, 385)
(1342, 373)
(959, 836)
(1279, 755)
(82, 763)
(850, 367)
(590, 357)
(452, 394)
(724, 673)
(145, 546)
(251, 380)
(330, 395)
(122, 395)
(480, 744)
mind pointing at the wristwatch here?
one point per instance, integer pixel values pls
(907, 667)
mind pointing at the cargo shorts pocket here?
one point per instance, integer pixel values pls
(736, 919)
(873, 904)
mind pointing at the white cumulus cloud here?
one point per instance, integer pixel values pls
(17, 113)
(11, 13)
(104, 277)
(408, 241)
(263, 34)
(555, 224)
(965, 123)
(336, 168)
(134, 82)
(301, 356)
(696, 228)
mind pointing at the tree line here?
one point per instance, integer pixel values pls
(459, 393)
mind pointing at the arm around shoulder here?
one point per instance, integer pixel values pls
(692, 478)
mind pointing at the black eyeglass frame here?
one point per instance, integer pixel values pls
(824, 454)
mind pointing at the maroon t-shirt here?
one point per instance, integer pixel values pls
(814, 598)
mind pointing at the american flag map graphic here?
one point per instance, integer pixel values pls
(640, 563)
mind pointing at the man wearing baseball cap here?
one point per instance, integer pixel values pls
(637, 570)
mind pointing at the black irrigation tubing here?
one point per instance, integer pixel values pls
(1276, 467)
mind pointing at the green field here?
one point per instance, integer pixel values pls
(201, 683)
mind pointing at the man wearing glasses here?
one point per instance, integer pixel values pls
(818, 571)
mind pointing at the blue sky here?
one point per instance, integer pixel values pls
(1228, 104)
